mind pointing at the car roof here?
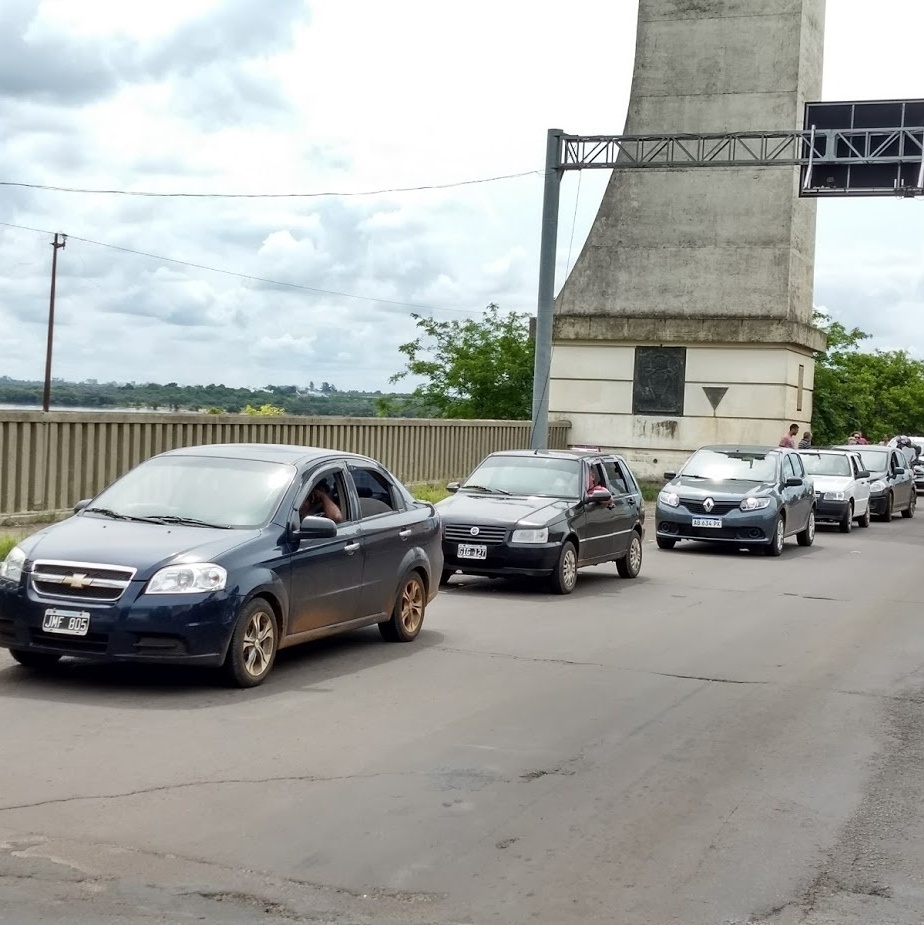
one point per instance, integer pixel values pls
(838, 450)
(263, 452)
(744, 448)
(865, 448)
(559, 454)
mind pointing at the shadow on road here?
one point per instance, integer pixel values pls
(593, 580)
(306, 668)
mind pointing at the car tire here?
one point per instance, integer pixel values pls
(807, 536)
(908, 513)
(779, 536)
(630, 564)
(887, 510)
(564, 578)
(846, 522)
(254, 644)
(36, 660)
(864, 521)
(407, 615)
(664, 543)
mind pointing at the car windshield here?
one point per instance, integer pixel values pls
(731, 465)
(826, 464)
(211, 490)
(527, 475)
(874, 460)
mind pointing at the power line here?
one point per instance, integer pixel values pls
(150, 194)
(246, 276)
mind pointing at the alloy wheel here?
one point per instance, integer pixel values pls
(258, 643)
(412, 605)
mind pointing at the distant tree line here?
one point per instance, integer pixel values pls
(326, 399)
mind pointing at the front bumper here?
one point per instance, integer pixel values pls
(742, 528)
(531, 561)
(877, 504)
(167, 629)
(831, 512)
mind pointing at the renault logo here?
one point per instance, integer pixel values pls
(77, 580)
(474, 531)
(708, 505)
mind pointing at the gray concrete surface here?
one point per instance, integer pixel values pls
(728, 739)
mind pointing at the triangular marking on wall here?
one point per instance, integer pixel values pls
(715, 394)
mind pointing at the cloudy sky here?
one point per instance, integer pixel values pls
(348, 96)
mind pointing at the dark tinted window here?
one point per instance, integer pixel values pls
(376, 493)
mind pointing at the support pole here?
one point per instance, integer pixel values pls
(546, 303)
(56, 244)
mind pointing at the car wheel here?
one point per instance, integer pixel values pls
(37, 660)
(664, 543)
(779, 535)
(408, 614)
(865, 519)
(908, 513)
(631, 563)
(887, 510)
(846, 524)
(564, 578)
(807, 536)
(254, 644)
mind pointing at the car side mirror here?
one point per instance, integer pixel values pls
(863, 474)
(900, 471)
(670, 476)
(316, 528)
(453, 487)
(794, 482)
(80, 505)
(598, 495)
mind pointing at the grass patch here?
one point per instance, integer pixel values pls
(650, 490)
(6, 544)
(429, 491)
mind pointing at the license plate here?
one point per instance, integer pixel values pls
(473, 552)
(66, 622)
(714, 523)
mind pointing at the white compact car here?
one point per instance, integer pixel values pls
(842, 487)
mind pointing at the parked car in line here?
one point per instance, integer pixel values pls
(201, 556)
(892, 483)
(842, 489)
(745, 496)
(917, 473)
(544, 514)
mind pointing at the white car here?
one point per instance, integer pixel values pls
(842, 487)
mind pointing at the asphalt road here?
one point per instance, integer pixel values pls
(728, 739)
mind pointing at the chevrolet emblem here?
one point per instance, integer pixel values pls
(77, 580)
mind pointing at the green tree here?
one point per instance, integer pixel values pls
(880, 392)
(265, 410)
(471, 369)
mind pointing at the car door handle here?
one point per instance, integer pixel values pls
(350, 548)
(404, 534)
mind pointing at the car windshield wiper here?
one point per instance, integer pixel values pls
(115, 515)
(185, 521)
(492, 491)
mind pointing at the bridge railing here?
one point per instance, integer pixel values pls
(48, 462)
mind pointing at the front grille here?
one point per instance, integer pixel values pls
(91, 644)
(80, 581)
(719, 507)
(462, 533)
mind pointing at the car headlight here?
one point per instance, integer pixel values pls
(188, 579)
(670, 498)
(878, 485)
(531, 535)
(12, 566)
(755, 504)
(835, 496)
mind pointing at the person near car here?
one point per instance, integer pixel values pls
(806, 442)
(789, 439)
(319, 504)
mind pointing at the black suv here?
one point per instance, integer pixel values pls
(544, 514)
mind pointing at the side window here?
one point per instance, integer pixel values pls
(330, 484)
(855, 465)
(595, 475)
(788, 471)
(615, 477)
(798, 466)
(376, 493)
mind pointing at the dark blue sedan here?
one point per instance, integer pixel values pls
(222, 555)
(739, 495)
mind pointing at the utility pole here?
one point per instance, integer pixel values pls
(545, 308)
(56, 244)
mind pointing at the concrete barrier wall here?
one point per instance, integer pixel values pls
(48, 462)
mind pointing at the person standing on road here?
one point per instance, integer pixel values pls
(806, 442)
(789, 439)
